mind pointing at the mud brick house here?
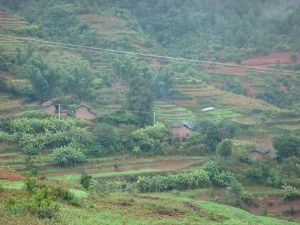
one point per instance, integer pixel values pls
(260, 152)
(182, 129)
(84, 111)
(50, 108)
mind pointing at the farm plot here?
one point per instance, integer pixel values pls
(169, 113)
(227, 104)
(132, 169)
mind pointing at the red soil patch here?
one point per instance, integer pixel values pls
(9, 175)
(167, 165)
(230, 70)
(283, 57)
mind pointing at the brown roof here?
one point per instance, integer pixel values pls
(88, 108)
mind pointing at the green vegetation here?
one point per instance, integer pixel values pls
(170, 182)
(239, 125)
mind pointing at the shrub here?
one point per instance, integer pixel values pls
(224, 148)
(287, 145)
(85, 180)
(38, 203)
(6, 137)
(211, 168)
(223, 179)
(115, 186)
(30, 185)
(256, 174)
(96, 150)
(218, 176)
(62, 194)
(289, 192)
(68, 156)
(151, 138)
(180, 181)
(275, 178)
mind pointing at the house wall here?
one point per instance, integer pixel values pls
(83, 113)
(256, 155)
(180, 132)
(50, 109)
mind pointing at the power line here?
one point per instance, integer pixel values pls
(149, 56)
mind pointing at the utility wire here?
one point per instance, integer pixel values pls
(149, 56)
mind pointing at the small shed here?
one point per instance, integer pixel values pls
(260, 152)
(84, 111)
(182, 129)
(50, 108)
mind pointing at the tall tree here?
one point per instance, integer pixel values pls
(287, 146)
(140, 99)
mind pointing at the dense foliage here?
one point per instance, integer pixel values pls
(180, 181)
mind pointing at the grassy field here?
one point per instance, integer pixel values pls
(150, 209)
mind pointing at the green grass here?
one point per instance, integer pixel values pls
(16, 185)
(78, 193)
(152, 209)
(74, 178)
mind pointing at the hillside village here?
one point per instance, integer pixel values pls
(149, 112)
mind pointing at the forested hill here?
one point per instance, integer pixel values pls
(207, 29)
(116, 99)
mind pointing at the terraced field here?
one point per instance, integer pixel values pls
(169, 113)
(9, 106)
(10, 22)
(227, 104)
(112, 31)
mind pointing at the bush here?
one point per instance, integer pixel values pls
(287, 146)
(275, 178)
(256, 174)
(7, 138)
(62, 194)
(211, 168)
(95, 150)
(180, 181)
(223, 179)
(68, 156)
(218, 176)
(108, 137)
(38, 202)
(85, 180)
(151, 138)
(224, 148)
(289, 192)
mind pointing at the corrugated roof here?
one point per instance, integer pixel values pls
(185, 123)
(262, 149)
(46, 104)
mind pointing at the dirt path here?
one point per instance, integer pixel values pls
(167, 165)
(9, 175)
